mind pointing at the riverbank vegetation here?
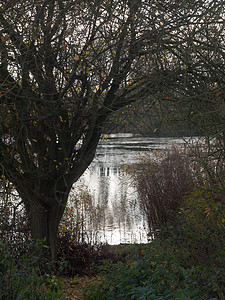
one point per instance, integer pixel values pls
(182, 195)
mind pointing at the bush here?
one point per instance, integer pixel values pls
(180, 263)
(74, 253)
(182, 194)
(198, 244)
(154, 276)
(162, 183)
(23, 278)
(165, 181)
(78, 218)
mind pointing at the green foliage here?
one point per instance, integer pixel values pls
(22, 278)
(182, 262)
(198, 244)
(154, 276)
(206, 206)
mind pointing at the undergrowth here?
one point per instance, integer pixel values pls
(182, 195)
(180, 263)
(24, 277)
(185, 206)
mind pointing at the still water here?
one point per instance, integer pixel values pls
(119, 218)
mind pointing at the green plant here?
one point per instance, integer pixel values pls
(154, 276)
(23, 278)
(186, 258)
(177, 264)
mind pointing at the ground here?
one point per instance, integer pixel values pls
(73, 287)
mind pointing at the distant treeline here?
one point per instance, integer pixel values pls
(154, 120)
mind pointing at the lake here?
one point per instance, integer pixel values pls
(118, 218)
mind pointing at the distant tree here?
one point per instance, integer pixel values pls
(194, 97)
(66, 66)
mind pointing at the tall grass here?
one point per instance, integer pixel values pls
(77, 241)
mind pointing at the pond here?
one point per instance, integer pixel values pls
(118, 216)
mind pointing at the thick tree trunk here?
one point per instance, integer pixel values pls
(44, 221)
(45, 201)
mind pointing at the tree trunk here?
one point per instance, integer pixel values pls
(44, 221)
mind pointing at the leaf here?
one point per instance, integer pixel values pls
(142, 252)
(218, 94)
(48, 138)
(5, 38)
(64, 47)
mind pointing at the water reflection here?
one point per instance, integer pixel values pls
(119, 219)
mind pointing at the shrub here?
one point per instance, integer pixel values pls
(78, 218)
(180, 263)
(14, 227)
(23, 278)
(155, 276)
(198, 244)
(166, 180)
(162, 183)
(182, 194)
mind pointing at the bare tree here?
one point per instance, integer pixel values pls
(65, 66)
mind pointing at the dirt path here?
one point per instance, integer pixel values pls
(73, 287)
